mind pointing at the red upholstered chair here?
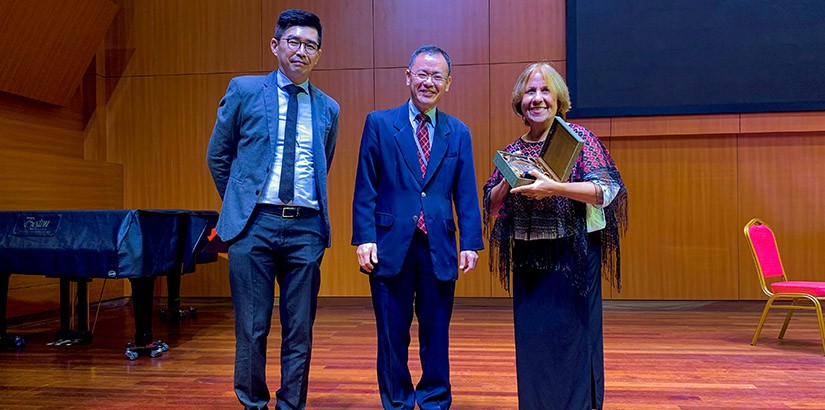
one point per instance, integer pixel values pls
(782, 293)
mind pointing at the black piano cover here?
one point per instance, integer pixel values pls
(103, 243)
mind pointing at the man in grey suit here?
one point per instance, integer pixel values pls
(269, 156)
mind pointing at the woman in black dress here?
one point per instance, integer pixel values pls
(557, 239)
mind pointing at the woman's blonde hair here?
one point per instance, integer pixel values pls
(554, 82)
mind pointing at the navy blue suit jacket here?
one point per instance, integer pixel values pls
(389, 191)
(242, 148)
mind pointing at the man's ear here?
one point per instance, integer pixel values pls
(273, 45)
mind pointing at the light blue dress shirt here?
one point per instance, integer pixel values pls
(304, 163)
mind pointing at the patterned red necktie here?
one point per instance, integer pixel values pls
(423, 135)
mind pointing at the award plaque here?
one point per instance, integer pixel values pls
(556, 159)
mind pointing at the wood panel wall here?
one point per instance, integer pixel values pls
(51, 42)
(42, 166)
(46, 126)
(694, 181)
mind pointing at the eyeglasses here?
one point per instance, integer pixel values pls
(295, 45)
(437, 78)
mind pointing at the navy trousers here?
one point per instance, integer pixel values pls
(289, 251)
(414, 290)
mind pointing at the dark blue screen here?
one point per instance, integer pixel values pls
(651, 57)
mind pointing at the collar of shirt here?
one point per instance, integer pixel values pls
(414, 111)
(283, 81)
(430, 127)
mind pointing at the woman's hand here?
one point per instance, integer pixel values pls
(502, 188)
(544, 186)
(497, 195)
(541, 188)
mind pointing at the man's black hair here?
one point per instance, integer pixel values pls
(293, 17)
(431, 49)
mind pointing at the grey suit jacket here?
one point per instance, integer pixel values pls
(242, 148)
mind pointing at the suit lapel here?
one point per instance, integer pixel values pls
(271, 100)
(318, 108)
(318, 123)
(404, 139)
(440, 143)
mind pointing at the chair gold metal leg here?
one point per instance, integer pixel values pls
(787, 320)
(761, 321)
(821, 324)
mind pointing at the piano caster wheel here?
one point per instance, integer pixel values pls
(19, 343)
(153, 350)
(130, 352)
(11, 342)
(193, 312)
(164, 315)
(160, 346)
(157, 348)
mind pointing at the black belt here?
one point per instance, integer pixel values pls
(286, 211)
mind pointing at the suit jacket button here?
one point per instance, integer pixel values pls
(423, 194)
(415, 218)
(257, 192)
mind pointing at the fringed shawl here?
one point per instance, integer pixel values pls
(524, 219)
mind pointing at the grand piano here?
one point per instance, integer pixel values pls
(78, 246)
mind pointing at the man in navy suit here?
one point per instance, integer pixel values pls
(414, 165)
(269, 155)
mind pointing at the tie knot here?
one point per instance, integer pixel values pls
(421, 118)
(293, 89)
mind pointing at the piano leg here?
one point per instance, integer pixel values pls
(82, 335)
(173, 298)
(65, 308)
(143, 290)
(7, 341)
(83, 307)
(173, 314)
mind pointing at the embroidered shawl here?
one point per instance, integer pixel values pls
(522, 218)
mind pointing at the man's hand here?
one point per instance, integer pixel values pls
(367, 256)
(467, 260)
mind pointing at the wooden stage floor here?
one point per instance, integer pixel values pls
(658, 355)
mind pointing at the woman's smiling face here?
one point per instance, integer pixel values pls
(538, 104)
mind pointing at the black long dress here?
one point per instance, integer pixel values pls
(559, 347)
(557, 269)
